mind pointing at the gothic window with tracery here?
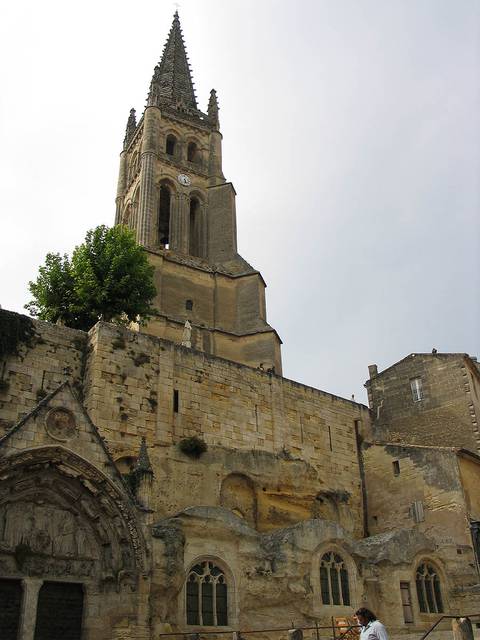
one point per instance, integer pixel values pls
(428, 589)
(207, 595)
(334, 580)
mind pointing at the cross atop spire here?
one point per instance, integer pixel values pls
(172, 79)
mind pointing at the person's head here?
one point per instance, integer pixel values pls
(364, 616)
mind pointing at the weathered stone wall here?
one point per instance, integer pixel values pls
(66, 515)
(228, 311)
(55, 355)
(132, 380)
(430, 477)
(470, 476)
(447, 414)
(279, 485)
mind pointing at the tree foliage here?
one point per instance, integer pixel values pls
(108, 277)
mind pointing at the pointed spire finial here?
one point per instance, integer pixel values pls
(143, 461)
(172, 80)
(130, 129)
(213, 108)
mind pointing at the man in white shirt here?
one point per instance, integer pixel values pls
(370, 627)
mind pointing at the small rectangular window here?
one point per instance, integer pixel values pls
(417, 511)
(396, 467)
(175, 401)
(417, 389)
(406, 602)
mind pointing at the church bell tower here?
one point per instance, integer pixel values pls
(173, 194)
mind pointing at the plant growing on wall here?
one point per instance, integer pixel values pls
(15, 330)
(193, 446)
(108, 277)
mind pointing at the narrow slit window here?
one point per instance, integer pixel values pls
(189, 305)
(396, 467)
(175, 401)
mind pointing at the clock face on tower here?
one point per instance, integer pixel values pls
(184, 180)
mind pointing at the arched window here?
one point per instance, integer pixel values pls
(193, 155)
(334, 580)
(428, 589)
(206, 592)
(195, 228)
(164, 216)
(170, 145)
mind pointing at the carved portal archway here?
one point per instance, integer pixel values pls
(60, 517)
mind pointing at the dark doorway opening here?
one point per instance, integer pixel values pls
(10, 607)
(59, 611)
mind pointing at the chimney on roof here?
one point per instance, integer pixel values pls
(372, 371)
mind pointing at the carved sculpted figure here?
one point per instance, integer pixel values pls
(187, 335)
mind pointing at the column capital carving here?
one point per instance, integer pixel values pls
(148, 152)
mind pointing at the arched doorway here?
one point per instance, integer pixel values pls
(69, 534)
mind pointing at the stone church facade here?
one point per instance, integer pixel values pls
(149, 486)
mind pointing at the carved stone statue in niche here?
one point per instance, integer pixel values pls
(65, 541)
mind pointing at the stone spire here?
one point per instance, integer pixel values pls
(172, 80)
(213, 109)
(143, 461)
(130, 129)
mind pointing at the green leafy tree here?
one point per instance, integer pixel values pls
(108, 277)
(53, 290)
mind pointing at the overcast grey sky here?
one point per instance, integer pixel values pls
(351, 133)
